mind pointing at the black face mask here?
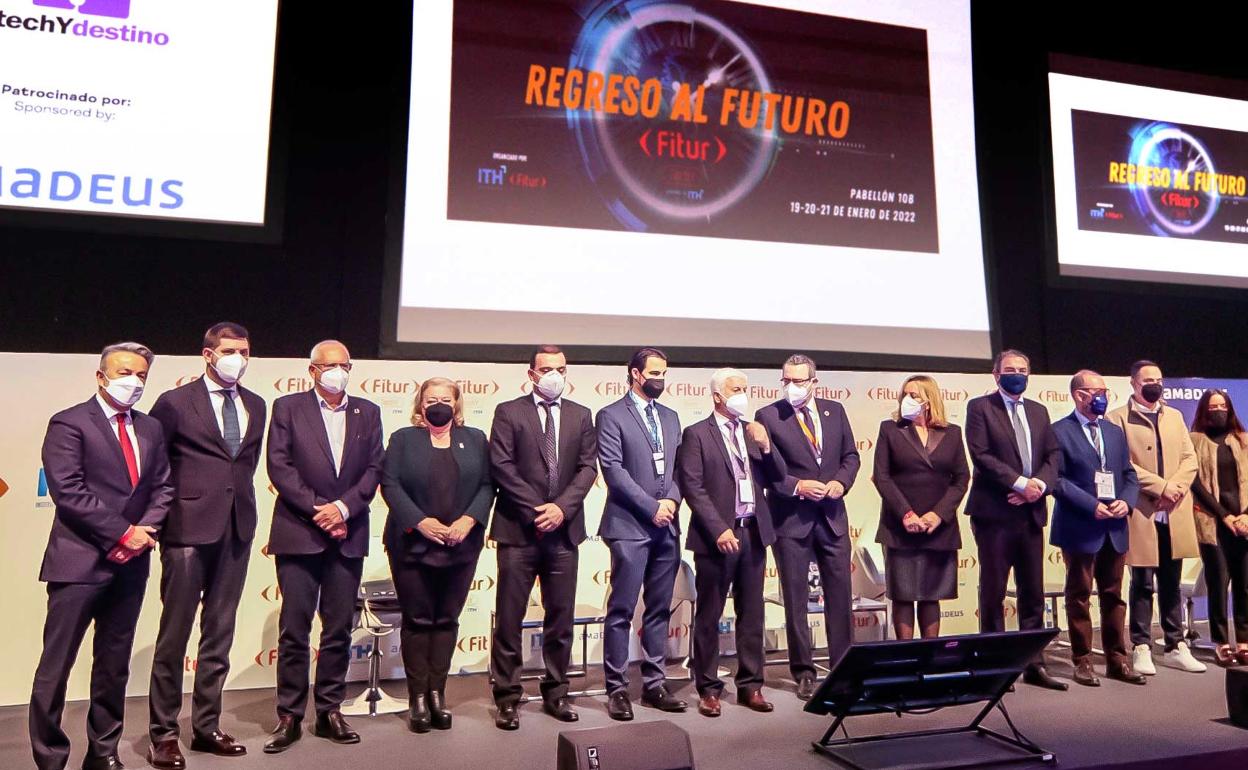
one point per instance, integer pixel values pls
(438, 414)
(1151, 392)
(1217, 420)
(653, 387)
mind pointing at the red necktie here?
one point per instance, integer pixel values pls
(127, 450)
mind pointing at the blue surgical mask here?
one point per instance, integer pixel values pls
(1013, 383)
(1099, 404)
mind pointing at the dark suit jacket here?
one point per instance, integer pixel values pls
(405, 486)
(301, 468)
(994, 455)
(1075, 526)
(625, 454)
(519, 470)
(210, 486)
(710, 485)
(911, 477)
(95, 504)
(792, 515)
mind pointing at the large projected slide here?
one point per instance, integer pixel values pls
(137, 108)
(703, 173)
(1150, 182)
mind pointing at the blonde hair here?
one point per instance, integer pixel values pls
(457, 401)
(931, 393)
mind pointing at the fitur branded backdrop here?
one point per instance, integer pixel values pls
(45, 384)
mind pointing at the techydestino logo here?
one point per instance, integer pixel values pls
(84, 28)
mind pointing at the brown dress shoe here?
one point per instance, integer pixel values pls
(166, 755)
(708, 705)
(219, 743)
(1125, 674)
(1085, 676)
(754, 700)
(1241, 656)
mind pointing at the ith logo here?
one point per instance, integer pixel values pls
(117, 9)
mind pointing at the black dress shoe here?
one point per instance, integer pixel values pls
(1125, 674)
(507, 718)
(1085, 676)
(334, 727)
(561, 710)
(805, 688)
(166, 755)
(418, 717)
(439, 717)
(288, 731)
(111, 762)
(1039, 677)
(219, 743)
(619, 707)
(660, 698)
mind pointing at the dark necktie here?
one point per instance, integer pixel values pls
(1020, 436)
(229, 423)
(741, 509)
(808, 428)
(656, 443)
(549, 453)
(1094, 429)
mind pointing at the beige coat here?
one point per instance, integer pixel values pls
(1207, 460)
(1180, 466)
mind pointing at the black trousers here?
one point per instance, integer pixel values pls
(553, 560)
(325, 584)
(1227, 562)
(1003, 546)
(715, 574)
(431, 598)
(1168, 578)
(193, 575)
(793, 558)
(114, 609)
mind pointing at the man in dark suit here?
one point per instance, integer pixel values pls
(1014, 454)
(637, 442)
(808, 508)
(108, 474)
(1097, 488)
(324, 459)
(543, 452)
(724, 465)
(213, 429)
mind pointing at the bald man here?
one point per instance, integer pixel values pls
(324, 459)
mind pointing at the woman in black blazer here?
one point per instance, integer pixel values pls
(922, 475)
(437, 484)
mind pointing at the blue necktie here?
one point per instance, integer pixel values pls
(656, 443)
(229, 422)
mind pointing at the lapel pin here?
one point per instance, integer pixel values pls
(826, 413)
(461, 445)
(357, 411)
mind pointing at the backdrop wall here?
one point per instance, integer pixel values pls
(45, 384)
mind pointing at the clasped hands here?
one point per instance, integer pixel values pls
(442, 534)
(1115, 510)
(809, 489)
(140, 538)
(1171, 496)
(329, 518)
(666, 513)
(916, 524)
(1030, 494)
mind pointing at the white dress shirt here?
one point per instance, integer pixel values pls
(555, 410)
(217, 396)
(640, 404)
(111, 414)
(736, 437)
(1087, 434)
(335, 419)
(1020, 483)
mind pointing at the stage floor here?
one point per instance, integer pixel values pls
(1177, 715)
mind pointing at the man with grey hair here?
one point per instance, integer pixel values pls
(108, 475)
(723, 466)
(815, 439)
(324, 459)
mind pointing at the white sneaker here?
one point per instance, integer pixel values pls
(1181, 658)
(1142, 660)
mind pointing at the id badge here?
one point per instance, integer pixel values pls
(660, 467)
(745, 490)
(1105, 486)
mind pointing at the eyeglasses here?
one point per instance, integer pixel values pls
(1093, 393)
(795, 381)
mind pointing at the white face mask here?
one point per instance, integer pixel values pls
(335, 380)
(910, 408)
(797, 395)
(125, 390)
(230, 368)
(551, 385)
(738, 404)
